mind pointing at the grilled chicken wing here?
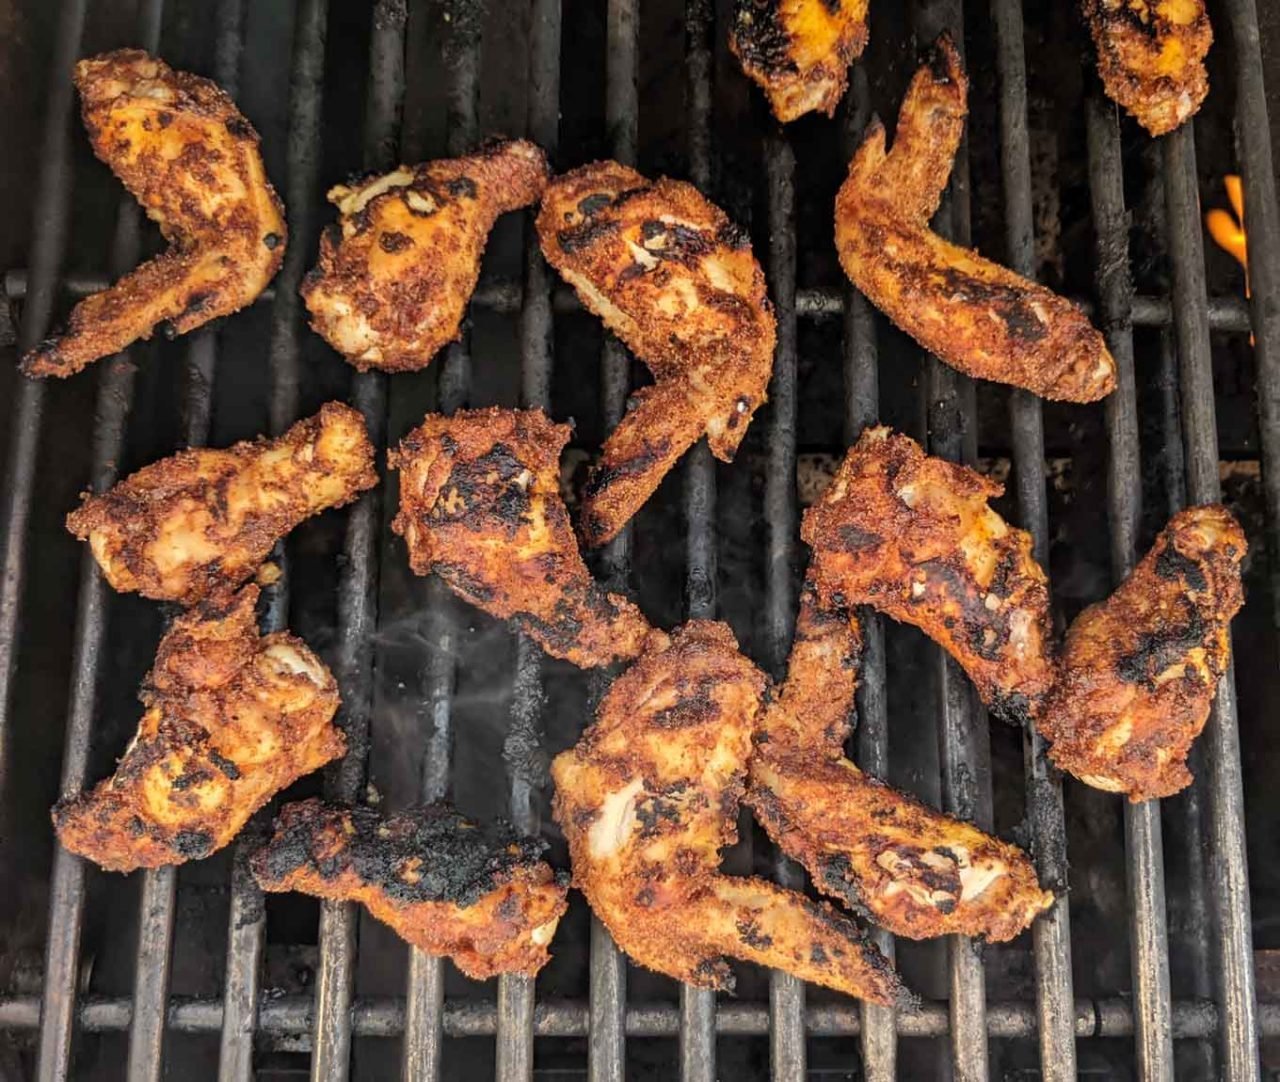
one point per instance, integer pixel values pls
(392, 286)
(909, 868)
(1140, 670)
(976, 316)
(647, 799)
(676, 281)
(183, 149)
(480, 506)
(1151, 57)
(204, 520)
(479, 895)
(912, 536)
(799, 51)
(231, 719)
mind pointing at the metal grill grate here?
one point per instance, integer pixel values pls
(1224, 1016)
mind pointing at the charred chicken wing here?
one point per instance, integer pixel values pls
(479, 895)
(183, 149)
(1151, 57)
(909, 868)
(480, 506)
(395, 278)
(912, 536)
(976, 316)
(204, 520)
(799, 51)
(648, 798)
(1140, 670)
(676, 281)
(231, 719)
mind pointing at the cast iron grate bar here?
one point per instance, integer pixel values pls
(862, 409)
(1051, 934)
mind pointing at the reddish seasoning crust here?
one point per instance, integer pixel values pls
(480, 506)
(913, 537)
(1151, 57)
(204, 520)
(649, 797)
(182, 148)
(676, 281)
(1140, 669)
(479, 895)
(231, 718)
(799, 51)
(396, 274)
(979, 318)
(903, 865)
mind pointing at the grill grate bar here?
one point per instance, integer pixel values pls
(385, 1017)
(1148, 921)
(608, 981)
(786, 993)
(1228, 862)
(1051, 934)
(698, 1005)
(862, 409)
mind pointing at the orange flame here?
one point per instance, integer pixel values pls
(1227, 230)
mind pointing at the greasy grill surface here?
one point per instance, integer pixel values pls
(1154, 963)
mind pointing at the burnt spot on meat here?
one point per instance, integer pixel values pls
(817, 955)
(576, 238)
(1177, 566)
(607, 473)
(236, 126)
(461, 188)
(750, 934)
(594, 203)
(855, 539)
(188, 778)
(192, 844)
(732, 235)
(653, 812)
(391, 242)
(836, 872)
(1011, 706)
(225, 765)
(761, 37)
(1157, 650)
(271, 241)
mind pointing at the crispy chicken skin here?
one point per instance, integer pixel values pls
(913, 536)
(395, 277)
(647, 799)
(909, 868)
(1151, 57)
(480, 506)
(183, 149)
(674, 279)
(231, 718)
(979, 318)
(799, 51)
(478, 895)
(204, 520)
(1140, 670)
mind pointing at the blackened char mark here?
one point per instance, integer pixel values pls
(1159, 649)
(763, 42)
(577, 237)
(1177, 566)
(461, 188)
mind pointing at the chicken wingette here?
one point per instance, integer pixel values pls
(979, 318)
(183, 149)
(674, 279)
(231, 718)
(480, 506)
(481, 896)
(1140, 669)
(912, 536)
(909, 868)
(204, 520)
(396, 275)
(648, 798)
(1151, 57)
(799, 51)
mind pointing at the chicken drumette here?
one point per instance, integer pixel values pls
(799, 51)
(232, 718)
(478, 895)
(647, 799)
(204, 520)
(480, 506)
(909, 868)
(1140, 670)
(676, 281)
(394, 280)
(913, 536)
(1151, 57)
(184, 150)
(976, 316)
